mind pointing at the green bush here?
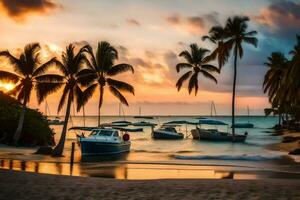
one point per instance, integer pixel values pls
(36, 130)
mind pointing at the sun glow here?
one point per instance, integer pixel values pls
(6, 86)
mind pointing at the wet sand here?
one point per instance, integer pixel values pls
(24, 185)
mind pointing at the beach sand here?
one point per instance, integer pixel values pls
(24, 185)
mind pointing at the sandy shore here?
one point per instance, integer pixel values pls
(24, 185)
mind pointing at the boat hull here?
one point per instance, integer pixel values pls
(217, 136)
(91, 148)
(164, 136)
(244, 125)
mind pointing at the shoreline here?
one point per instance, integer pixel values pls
(25, 185)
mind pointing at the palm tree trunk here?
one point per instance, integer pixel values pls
(58, 150)
(100, 104)
(18, 132)
(233, 92)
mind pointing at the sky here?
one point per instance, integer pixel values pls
(150, 35)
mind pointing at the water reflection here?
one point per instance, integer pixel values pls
(117, 170)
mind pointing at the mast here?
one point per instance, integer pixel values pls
(248, 113)
(140, 111)
(83, 114)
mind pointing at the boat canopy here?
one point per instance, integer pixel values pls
(96, 127)
(177, 122)
(121, 122)
(143, 117)
(211, 122)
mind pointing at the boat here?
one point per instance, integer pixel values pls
(244, 125)
(215, 134)
(55, 121)
(166, 133)
(143, 123)
(120, 123)
(104, 141)
(90, 128)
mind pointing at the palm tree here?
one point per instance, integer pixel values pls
(102, 69)
(232, 37)
(273, 80)
(69, 68)
(197, 62)
(28, 69)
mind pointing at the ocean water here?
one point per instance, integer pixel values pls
(145, 149)
(167, 159)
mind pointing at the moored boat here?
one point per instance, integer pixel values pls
(166, 133)
(104, 141)
(143, 123)
(215, 135)
(243, 125)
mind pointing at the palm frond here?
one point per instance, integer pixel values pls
(50, 78)
(210, 68)
(44, 89)
(120, 85)
(193, 83)
(85, 96)
(44, 67)
(187, 56)
(10, 77)
(118, 95)
(251, 40)
(120, 68)
(15, 62)
(182, 79)
(208, 75)
(180, 66)
(86, 77)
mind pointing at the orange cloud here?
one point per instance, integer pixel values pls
(20, 10)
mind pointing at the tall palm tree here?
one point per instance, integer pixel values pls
(197, 62)
(71, 65)
(235, 34)
(102, 69)
(273, 79)
(28, 69)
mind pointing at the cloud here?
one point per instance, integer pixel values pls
(20, 9)
(281, 18)
(194, 25)
(133, 22)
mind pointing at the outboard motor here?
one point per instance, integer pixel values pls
(126, 137)
(246, 133)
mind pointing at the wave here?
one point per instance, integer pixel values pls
(243, 157)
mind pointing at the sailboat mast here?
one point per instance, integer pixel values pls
(140, 111)
(248, 113)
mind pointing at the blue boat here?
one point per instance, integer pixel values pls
(104, 141)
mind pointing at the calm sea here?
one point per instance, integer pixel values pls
(145, 149)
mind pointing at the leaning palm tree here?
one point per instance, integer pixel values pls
(27, 70)
(102, 69)
(197, 62)
(235, 34)
(69, 68)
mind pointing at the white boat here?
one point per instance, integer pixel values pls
(104, 141)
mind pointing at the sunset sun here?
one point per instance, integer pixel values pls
(6, 86)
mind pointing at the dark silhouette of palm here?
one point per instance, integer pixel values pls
(197, 63)
(27, 71)
(70, 67)
(231, 38)
(217, 36)
(274, 82)
(102, 69)
(276, 64)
